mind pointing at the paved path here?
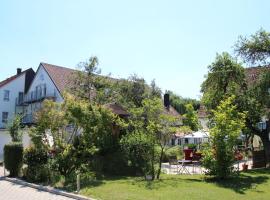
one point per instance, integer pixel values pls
(11, 191)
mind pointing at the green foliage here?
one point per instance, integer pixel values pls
(191, 118)
(226, 77)
(256, 48)
(138, 147)
(171, 152)
(219, 156)
(37, 161)
(179, 102)
(14, 129)
(50, 120)
(192, 146)
(13, 158)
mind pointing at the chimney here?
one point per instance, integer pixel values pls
(167, 100)
(19, 70)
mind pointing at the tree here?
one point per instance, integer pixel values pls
(151, 120)
(228, 123)
(255, 49)
(179, 102)
(50, 122)
(84, 80)
(191, 118)
(225, 77)
(15, 129)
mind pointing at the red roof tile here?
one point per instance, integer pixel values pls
(61, 76)
(253, 73)
(116, 109)
(8, 80)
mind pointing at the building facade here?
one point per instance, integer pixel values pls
(12, 91)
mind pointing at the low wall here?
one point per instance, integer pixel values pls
(5, 139)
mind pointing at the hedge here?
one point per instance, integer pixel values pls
(13, 158)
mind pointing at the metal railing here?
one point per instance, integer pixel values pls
(28, 119)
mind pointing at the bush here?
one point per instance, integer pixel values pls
(173, 151)
(137, 147)
(38, 169)
(13, 158)
(64, 161)
(116, 164)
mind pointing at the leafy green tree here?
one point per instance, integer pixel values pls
(50, 121)
(84, 81)
(151, 120)
(219, 158)
(15, 129)
(191, 118)
(256, 48)
(223, 81)
(179, 102)
(225, 78)
(137, 146)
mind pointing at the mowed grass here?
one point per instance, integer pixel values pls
(251, 185)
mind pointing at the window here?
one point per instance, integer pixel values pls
(6, 95)
(179, 141)
(20, 101)
(186, 140)
(4, 117)
(173, 142)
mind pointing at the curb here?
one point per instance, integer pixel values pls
(46, 189)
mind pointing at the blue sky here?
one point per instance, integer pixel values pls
(171, 41)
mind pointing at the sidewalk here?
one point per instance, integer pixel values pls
(13, 191)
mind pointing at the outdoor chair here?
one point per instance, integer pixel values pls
(196, 161)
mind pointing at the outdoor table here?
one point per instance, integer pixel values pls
(183, 166)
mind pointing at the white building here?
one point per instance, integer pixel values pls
(49, 83)
(12, 91)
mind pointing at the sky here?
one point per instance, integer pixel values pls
(171, 41)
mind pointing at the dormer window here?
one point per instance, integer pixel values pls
(6, 95)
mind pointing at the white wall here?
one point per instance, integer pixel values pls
(5, 139)
(42, 77)
(14, 87)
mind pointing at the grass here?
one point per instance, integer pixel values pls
(251, 185)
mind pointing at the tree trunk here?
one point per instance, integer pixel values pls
(265, 139)
(266, 146)
(153, 165)
(160, 162)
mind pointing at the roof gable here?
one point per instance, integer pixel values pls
(61, 76)
(12, 78)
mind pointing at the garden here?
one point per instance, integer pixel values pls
(120, 157)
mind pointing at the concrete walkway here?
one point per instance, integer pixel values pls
(11, 191)
(190, 169)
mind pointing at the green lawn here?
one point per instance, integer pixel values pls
(252, 185)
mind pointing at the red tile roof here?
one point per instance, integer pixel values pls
(61, 76)
(116, 109)
(8, 80)
(253, 73)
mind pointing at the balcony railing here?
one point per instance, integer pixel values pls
(38, 96)
(28, 119)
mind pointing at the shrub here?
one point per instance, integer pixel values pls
(64, 161)
(116, 164)
(38, 169)
(137, 147)
(13, 158)
(173, 151)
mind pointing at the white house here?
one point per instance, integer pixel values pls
(12, 91)
(49, 83)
